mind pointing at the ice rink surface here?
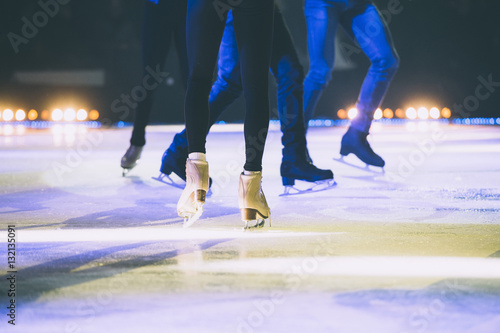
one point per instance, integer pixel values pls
(414, 249)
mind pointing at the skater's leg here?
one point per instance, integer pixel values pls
(226, 89)
(156, 38)
(365, 24)
(179, 26)
(253, 21)
(372, 34)
(204, 33)
(155, 47)
(289, 75)
(322, 21)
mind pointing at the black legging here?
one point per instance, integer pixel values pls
(161, 23)
(253, 22)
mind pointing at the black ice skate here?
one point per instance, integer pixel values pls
(318, 179)
(131, 158)
(173, 161)
(354, 141)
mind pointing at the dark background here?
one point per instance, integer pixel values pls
(444, 46)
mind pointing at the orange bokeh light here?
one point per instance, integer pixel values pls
(32, 114)
(93, 115)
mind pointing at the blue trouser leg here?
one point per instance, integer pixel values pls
(289, 76)
(363, 23)
(374, 38)
(322, 22)
(227, 87)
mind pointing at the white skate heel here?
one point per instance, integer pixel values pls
(190, 205)
(252, 202)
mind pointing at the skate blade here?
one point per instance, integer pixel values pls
(125, 171)
(367, 167)
(254, 219)
(127, 168)
(255, 224)
(190, 219)
(165, 179)
(318, 186)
